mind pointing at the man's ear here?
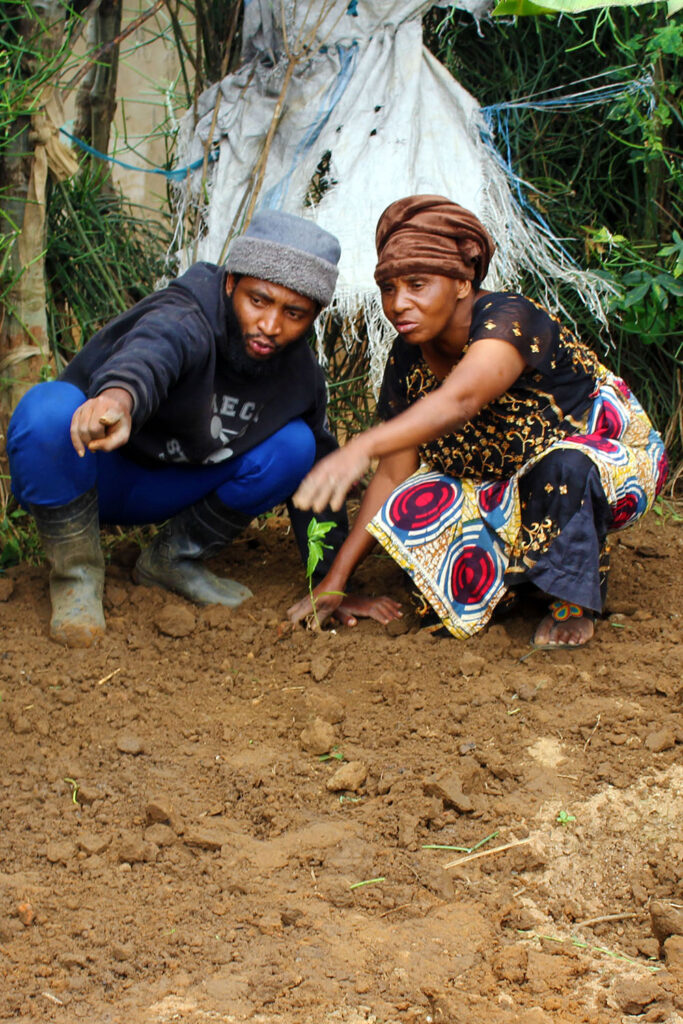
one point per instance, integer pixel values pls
(229, 284)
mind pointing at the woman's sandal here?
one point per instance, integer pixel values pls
(563, 611)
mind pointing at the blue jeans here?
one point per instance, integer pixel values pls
(47, 471)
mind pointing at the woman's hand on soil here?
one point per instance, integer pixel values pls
(329, 480)
(102, 423)
(326, 604)
(346, 609)
(353, 607)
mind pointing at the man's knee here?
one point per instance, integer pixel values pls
(285, 457)
(297, 448)
(43, 416)
(271, 472)
(39, 446)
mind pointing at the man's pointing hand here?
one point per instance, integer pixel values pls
(102, 423)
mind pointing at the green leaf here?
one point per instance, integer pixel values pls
(670, 283)
(635, 277)
(315, 532)
(525, 7)
(635, 295)
(519, 7)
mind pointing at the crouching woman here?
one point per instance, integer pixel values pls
(507, 451)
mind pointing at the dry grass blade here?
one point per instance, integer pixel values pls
(487, 853)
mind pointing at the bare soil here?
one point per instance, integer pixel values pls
(176, 843)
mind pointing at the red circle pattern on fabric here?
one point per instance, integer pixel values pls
(421, 505)
(625, 509)
(610, 423)
(491, 497)
(472, 576)
(594, 441)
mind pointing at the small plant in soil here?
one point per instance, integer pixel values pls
(316, 534)
(565, 818)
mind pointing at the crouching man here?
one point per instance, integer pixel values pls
(202, 405)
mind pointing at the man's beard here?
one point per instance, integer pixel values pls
(236, 354)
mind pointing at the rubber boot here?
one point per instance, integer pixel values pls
(71, 541)
(173, 559)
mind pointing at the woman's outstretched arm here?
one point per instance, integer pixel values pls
(488, 369)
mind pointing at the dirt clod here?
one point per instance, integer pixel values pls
(666, 917)
(448, 787)
(632, 994)
(130, 743)
(318, 737)
(350, 776)
(133, 849)
(662, 739)
(175, 620)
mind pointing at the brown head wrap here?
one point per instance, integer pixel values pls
(431, 235)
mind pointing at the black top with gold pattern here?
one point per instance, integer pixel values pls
(548, 401)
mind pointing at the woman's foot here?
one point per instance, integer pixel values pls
(566, 625)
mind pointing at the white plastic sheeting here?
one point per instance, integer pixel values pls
(387, 120)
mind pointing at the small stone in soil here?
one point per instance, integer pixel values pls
(663, 739)
(318, 737)
(349, 777)
(60, 852)
(129, 743)
(175, 620)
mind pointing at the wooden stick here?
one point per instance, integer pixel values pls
(605, 917)
(105, 679)
(487, 853)
(132, 27)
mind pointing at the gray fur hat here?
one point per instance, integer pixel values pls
(290, 251)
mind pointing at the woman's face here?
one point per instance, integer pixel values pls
(422, 307)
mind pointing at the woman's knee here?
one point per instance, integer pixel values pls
(562, 466)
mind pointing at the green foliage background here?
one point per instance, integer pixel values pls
(607, 179)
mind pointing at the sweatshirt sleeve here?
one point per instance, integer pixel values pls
(151, 358)
(325, 442)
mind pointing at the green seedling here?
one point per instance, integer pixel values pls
(334, 753)
(462, 849)
(565, 818)
(74, 789)
(667, 510)
(315, 535)
(368, 881)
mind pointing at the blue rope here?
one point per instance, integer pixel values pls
(497, 125)
(176, 175)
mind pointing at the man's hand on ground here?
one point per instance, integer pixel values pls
(102, 423)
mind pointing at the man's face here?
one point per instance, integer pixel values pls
(270, 316)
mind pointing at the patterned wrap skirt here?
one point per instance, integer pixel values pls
(466, 542)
